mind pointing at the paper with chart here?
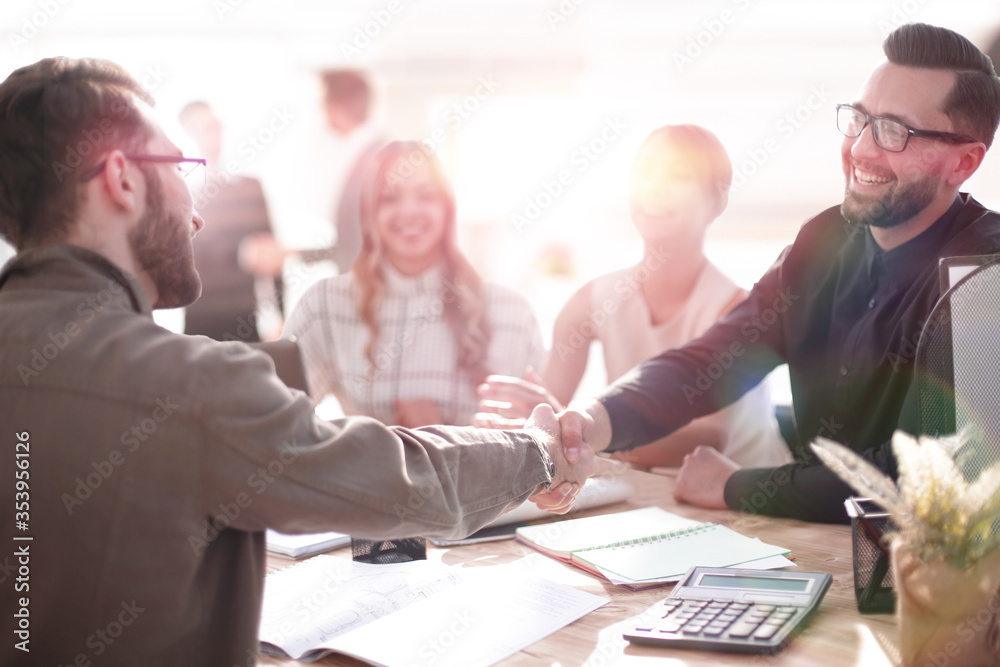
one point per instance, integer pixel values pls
(309, 604)
(413, 614)
(495, 613)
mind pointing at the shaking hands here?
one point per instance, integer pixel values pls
(573, 458)
(571, 437)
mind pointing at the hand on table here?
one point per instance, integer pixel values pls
(702, 478)
(506, 401)
(417, 412)
(262, 255)
(574, 460)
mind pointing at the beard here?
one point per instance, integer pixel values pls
(895, 207)
(161, 244)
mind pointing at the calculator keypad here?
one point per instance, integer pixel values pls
(720, 619)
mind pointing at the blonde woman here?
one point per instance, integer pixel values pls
(407, 335)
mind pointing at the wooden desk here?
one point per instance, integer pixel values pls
(837, 634)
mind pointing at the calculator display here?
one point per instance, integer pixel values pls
(756, 583)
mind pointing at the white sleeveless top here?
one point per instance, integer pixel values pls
(752, 438)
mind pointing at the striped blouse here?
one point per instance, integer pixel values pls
(416, 353)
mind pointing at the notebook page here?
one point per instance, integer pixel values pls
(712, 546)
(596, 531)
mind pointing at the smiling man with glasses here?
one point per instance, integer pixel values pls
(844, 305)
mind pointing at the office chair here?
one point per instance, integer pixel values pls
(957, 366)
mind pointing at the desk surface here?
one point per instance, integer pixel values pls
(836, 635)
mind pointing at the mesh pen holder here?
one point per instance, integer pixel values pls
(382, 552)
(873, 577)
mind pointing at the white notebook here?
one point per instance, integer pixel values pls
(645, 546)
(301, 546)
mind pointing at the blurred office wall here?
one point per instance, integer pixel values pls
(536, 108)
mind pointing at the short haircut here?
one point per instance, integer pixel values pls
(973, 105)
(703, 150)
(57, 117)
(347, 88)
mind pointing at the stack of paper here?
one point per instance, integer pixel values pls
(301, 546)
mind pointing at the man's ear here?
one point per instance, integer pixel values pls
(120, 179)
(969, 161)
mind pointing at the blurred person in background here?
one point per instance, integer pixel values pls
(409, 333)
(679, 184)
(347, 99)
(347, 106)
(234, 208)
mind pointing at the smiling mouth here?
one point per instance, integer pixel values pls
(869, 178)
(654, 213)
(411, 230)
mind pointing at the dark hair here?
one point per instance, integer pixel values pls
(973, 105)
(57, 117)
(349, 89)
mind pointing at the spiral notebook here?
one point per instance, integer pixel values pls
(647, 546)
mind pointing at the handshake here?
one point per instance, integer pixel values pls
(571, 437)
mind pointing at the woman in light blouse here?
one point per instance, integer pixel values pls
(407, 335)
(679, 184)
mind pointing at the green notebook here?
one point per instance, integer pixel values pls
(644, 546)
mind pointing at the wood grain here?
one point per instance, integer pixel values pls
(837, 635)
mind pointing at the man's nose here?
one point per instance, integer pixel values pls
(199, 222)
(864, 144)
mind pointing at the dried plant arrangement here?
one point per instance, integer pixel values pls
(946, 551)
(940, 515)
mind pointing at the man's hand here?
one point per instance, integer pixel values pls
(506, 401)
(573, 466)
(702, 479)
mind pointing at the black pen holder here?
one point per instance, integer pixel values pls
(382, 552)
(873, 577)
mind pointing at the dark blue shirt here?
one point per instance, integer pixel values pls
(846, 317)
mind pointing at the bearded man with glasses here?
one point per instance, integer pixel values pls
(844, 305)
(150, 463)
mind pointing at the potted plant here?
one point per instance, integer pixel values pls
(945, 553)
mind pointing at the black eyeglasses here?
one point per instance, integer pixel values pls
(185, 165)
(888, 133)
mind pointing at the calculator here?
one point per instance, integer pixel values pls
(727, 609)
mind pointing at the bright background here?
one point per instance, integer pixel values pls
(514, 89)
